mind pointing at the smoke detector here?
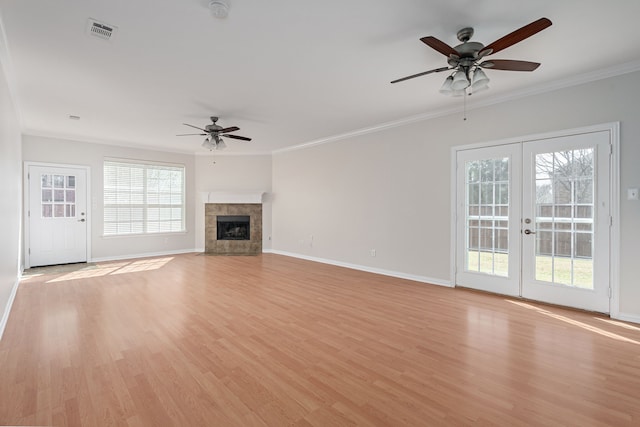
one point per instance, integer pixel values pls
(219, 8)
(100, 29)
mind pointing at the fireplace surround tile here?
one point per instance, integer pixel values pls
(253, 246)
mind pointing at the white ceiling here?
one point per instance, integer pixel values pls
(287, 72)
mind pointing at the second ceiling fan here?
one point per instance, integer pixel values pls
(466, 59)
(214, 134)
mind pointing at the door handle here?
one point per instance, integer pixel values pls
(82, 220)
(527, 231)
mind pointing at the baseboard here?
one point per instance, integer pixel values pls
(634, 318)
(144, 255)
(397, 274)
(264, 251)
(7, 309)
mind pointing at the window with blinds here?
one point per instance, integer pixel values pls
(143, 198)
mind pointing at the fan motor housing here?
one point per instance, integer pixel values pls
(469, 49)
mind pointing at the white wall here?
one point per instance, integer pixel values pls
(40, 149)
(10, 199)
(390, 190)
(233, 174)
(362, 194)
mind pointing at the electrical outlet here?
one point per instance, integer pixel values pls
(372, 252)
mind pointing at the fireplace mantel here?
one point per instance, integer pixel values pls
(233, 197)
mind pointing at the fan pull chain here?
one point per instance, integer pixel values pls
(464, 107)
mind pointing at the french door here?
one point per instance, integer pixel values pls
(533, 220)
(56, 215)
(489, 219)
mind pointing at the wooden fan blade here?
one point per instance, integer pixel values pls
(436, 70)
(187, 124)
(510, 65)
(188, 134)
(243, 138)
(229, 129)
(518, 35)
(439, 45)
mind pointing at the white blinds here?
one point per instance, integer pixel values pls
(143, 198)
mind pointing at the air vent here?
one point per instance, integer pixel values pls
(100, 29)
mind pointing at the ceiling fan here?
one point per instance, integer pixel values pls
(466, 59)
(214, 134)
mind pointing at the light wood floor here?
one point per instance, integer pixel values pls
(196, 340)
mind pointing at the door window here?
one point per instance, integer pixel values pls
(58, 196)
(564, 217)
(487, 216)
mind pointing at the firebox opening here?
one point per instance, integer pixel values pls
(233, 227)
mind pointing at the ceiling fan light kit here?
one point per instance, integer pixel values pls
(464, 59)
(209, 144)
(214, 134)
(214, 143)
(480, 79)
(460, 81)
(457, 83)
(446, 88)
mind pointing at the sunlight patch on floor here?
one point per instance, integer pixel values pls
(620, 324)
(115, 268)
(574, 322)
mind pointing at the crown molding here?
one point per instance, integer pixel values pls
(87, 140)
(138, 146)
(372, 129)
(592, 76)
(577, 80)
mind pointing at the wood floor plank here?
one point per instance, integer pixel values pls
(272, 341)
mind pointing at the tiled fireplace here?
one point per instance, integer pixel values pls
(233, 228)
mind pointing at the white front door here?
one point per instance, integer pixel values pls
(57, 215)
(533, 220)
(565, 206)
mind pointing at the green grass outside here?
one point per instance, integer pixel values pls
(546, 269)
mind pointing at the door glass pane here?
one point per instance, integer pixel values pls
(46, 181)
(70, 196)
(564, 217)
(487, 216)
(58, 181)
(60, 190)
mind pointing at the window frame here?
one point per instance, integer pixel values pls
(145, 206)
